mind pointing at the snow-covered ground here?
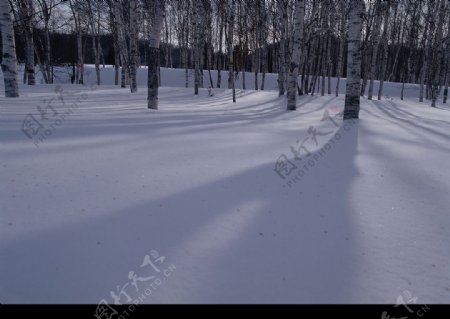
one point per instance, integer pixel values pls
(186, 204)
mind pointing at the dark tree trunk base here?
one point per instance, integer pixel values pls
(153, 75)
(351, 110)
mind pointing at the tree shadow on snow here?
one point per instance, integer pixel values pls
(239, 239)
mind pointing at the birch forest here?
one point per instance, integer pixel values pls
(305, 42)
(225, 152)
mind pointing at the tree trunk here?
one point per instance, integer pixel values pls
(283, 21)
(444, 101)
(447, 72)
(439, 54)
(48, 55)
(122, 42)
(296, 54)
(231, 14)
(353, 89)
(340, 66)
(375, 43)
(80, 59)
(26, 14)
(157, 9)
(134, 33)
(384, 53)
(263, 67)
(196, 29)
(220, 53)
(9, 60)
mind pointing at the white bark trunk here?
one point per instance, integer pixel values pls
(74, 6)
(296, 54)
(133, 44)
(353, 88)
(196, 29)
(157, 10)
(340, 65)
(26, 14)
(231, 76)
(283, 21)
(439, 55)
(122, 42)
(9, 59)
(384, 45)
(375, 44)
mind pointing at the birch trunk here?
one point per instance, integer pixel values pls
(283, 22)
(375, 44)
(447, 74)
(384, 44)
(353, 89)
(9, 59)
(98, 49)
(196, 29)
(340, 66)
(26, 15)
(157, 10)
(186, 58)
(122, 42)
(444, 100)
(74, 6)
(95, 34)
(220, 57)
(423, 69)
(439, 55)
(48, 56)
(263, 41)
(46, 10)
(299, 15)
(201, 40)
(133, 44)
(231, 76)
(115, 37)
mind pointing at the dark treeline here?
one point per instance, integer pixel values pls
(64, 52)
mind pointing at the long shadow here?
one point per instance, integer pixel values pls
(413, 183)
(246, 238)
(425, 135)
(397, 115)
(139, 122)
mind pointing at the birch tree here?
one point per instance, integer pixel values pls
(46, 11)
(430, 19)
(122, 42)
(446, 45)
(384, 51)
(94, 22)
(115, 38)
(263, 42)
(156, 9)
(438, 57)
(221, 17)
(296, 53)
(134, 33)
(9, 59)
(196, 6)
(26, 17)
(283, 21)
(231, 77)
(353, 89)
(375, 43)
(77, 17)
(342, 29)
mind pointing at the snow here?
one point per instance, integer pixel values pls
(196, 182)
